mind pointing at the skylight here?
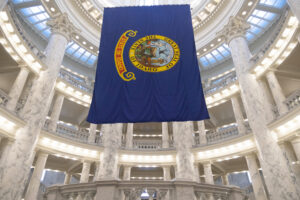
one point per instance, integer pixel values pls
(260, 20)
(37, 16)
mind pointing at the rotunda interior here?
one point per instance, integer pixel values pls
(248, 54)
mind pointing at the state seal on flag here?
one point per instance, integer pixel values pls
(154, 53)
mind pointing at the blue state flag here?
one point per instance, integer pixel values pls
(147, 67)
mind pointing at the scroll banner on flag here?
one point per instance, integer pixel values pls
(147, 67)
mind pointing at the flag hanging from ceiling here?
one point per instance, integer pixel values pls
(147, 67)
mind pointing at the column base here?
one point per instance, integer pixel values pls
(107, 190)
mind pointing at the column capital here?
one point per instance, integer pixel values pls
(60, 23)
(236, 27)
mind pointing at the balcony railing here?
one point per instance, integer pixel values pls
(222, 82)
(293, 100)
(75, 81)
(133, 190)
(147, 145)
(3, 98)
(81, 135)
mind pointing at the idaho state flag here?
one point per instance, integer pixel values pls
(147, 67)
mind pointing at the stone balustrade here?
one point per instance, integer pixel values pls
(73, 133)
(293, 100)
(222, 134)
(147, 144)
(133, 190)
(220, 83)
(3, 98)
(75, 81)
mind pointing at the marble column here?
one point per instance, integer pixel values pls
(34, 184)
(183, 139)
(56, 110)
(15, 170)
(165, 135)
(296, 145)
(68, 177)
(268, 101)
(92, 136)
(225, 180)
(112, 134)
(3, 4)
(85, 173)
(197, 175)
(209, 179)
(278, 180)
(17, 88)
(202, 132)
(238, 115)
(257, 184)
(127, 173)
(167, 173)
(129, 135)
(276, 92)
(291, 159)
(295, 7)
(97, 166)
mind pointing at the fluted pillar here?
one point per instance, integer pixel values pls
(56, 110)
(34, 184)
(257, 184)
(18, 162)
(68, 177)
(127, 173)
(276, 92)
(202, 132)
(165, 135)
(17, 88)
(129, 135)
(92, 136)
(167, 173)
(183, 139)
(112, 134)
(3, 4)
(97, 166)
(278, 180)
(295, 7)
(238, 115)
(85, 173)
(209, 179)
(225, 180)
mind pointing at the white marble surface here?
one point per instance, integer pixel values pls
(56, 110)
(97, 166)
(276, 92)
(278, 180)
(238, 114)
(225, 180)
(296, 146)
(17, 88)
(68, 177)
(3, 4)
(183, 138)
(92, 136)
(129, 135)
(209, 179)
(257, 184)
(295, 7)
(165, 135)
(108, 169)
(127, 173)
(34, 184)
(197, 174)
(202, 132)
(268, 101)
(16, 168)
(167, 173)
(85, 173)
